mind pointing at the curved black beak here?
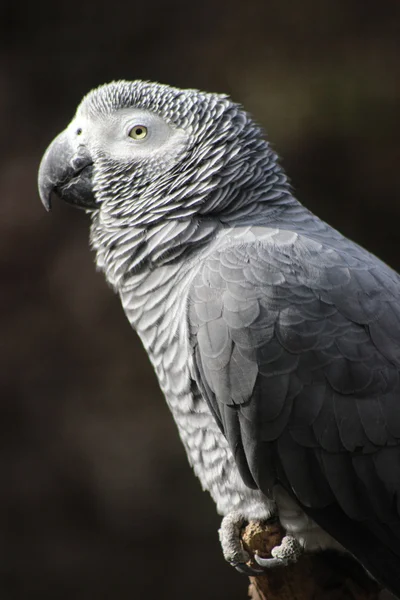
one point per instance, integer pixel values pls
(68, 173)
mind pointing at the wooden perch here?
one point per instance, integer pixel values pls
(322, 576)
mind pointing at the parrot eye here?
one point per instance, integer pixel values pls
(139, 132)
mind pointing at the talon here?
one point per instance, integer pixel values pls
(244, 569)
(270, 563)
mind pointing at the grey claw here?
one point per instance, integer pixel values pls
(246, 570)
(270, 563)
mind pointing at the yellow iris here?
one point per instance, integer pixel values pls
(139, 132)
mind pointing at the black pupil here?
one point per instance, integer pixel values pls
(78, 131)
(139, 131)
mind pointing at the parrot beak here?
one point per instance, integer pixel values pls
(68, 173)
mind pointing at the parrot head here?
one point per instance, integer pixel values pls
(150, 151)
(160, 170)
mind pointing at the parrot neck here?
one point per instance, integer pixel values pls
(124, 253)
(167, 224)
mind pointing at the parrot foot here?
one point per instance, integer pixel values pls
(286, 553)
(230, 538)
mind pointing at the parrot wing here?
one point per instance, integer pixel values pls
(296, 347)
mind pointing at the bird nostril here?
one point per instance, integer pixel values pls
(79, 162)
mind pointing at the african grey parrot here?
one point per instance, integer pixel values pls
(275, 339)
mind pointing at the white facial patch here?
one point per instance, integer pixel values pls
(132, 135)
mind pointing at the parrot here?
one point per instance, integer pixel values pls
(275, 339)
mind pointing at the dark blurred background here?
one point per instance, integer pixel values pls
(97, 500)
